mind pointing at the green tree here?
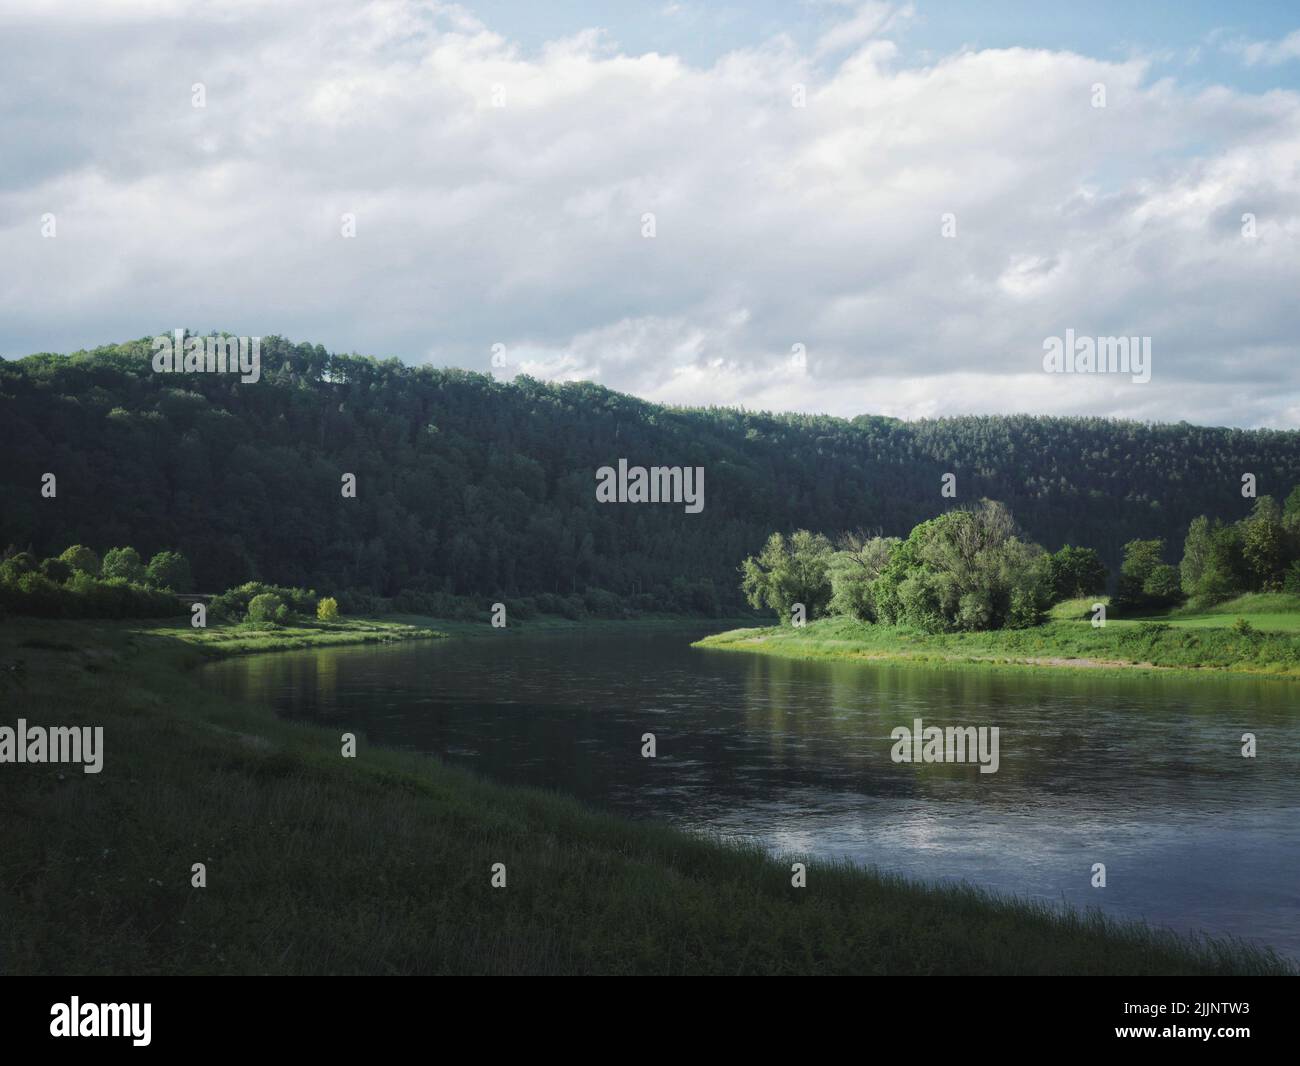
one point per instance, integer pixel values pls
(853, 570)
(1263, 542)
(268, 607)
(1163, 585)
(1197, 549)
(124, 563)
(967, 569)
(1146, 581)
(327, 610)
(1076, 572)
(81, 558)
(1291, 510)
(782, 575)
(1212, 568)
(16, 567)
(170, 570)
(978, 566)
(57, 570)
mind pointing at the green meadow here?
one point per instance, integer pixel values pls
(1258, 633)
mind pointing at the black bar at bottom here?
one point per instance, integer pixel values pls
(345, 1014)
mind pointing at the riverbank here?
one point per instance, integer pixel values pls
(1150, 645)
(221, 639)
(382, 864)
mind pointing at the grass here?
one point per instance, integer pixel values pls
(250, 638)
(380, 864)
(1269, 612)
(1191, 641)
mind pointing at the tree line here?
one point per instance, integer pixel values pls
(78, 583)
(471, 489)
(974, 569)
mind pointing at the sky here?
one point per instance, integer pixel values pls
(839, 207)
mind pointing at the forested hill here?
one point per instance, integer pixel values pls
(472, 486)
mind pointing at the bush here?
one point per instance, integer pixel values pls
(13, 568)
(435, 604)
(124, 563)
(41, 596)
(327, 610)
(1164, 586)
(922, 602)
(268, 607)
(522, 607)
(1291, 580)
(550, 603)
(233, 603)
(1243, 626)
(170, 570)
(56, 570)
(602, 603)
(360, 601)
(1145, 582)
(84, 596)
(79, 557)
(1076, 572)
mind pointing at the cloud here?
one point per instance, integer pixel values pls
(501, 196)
(872, 18)
(1266, 53)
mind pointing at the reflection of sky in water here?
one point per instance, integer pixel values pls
(1141, 772)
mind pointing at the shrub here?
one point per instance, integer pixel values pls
(124, 563)
(56, 570)
(84, 596)
(170, 570)
(522, 607)
(1025, 610)
(233, 603)
(360, 601)
(267, 607)
(1164, 586)
(79, 557)
(1291, 580)
(922, 602)
(41, 596)
(327, 610)
(13, 568)
(435, 604)
(1076, 572)
(550, 603)
(1144, 581)
(602, 603)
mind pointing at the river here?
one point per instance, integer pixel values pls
(1141, 772)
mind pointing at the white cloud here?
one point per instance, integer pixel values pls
(775, 225)
(872, 18)
(1267, 53)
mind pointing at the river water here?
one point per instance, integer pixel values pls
(1141, 772)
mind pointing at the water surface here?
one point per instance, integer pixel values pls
(1143, 773)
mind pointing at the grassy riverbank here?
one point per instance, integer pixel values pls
(1202, 641)
(381, 864)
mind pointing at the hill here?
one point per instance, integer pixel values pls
(472, 486)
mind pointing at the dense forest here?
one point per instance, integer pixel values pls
(474, 487)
